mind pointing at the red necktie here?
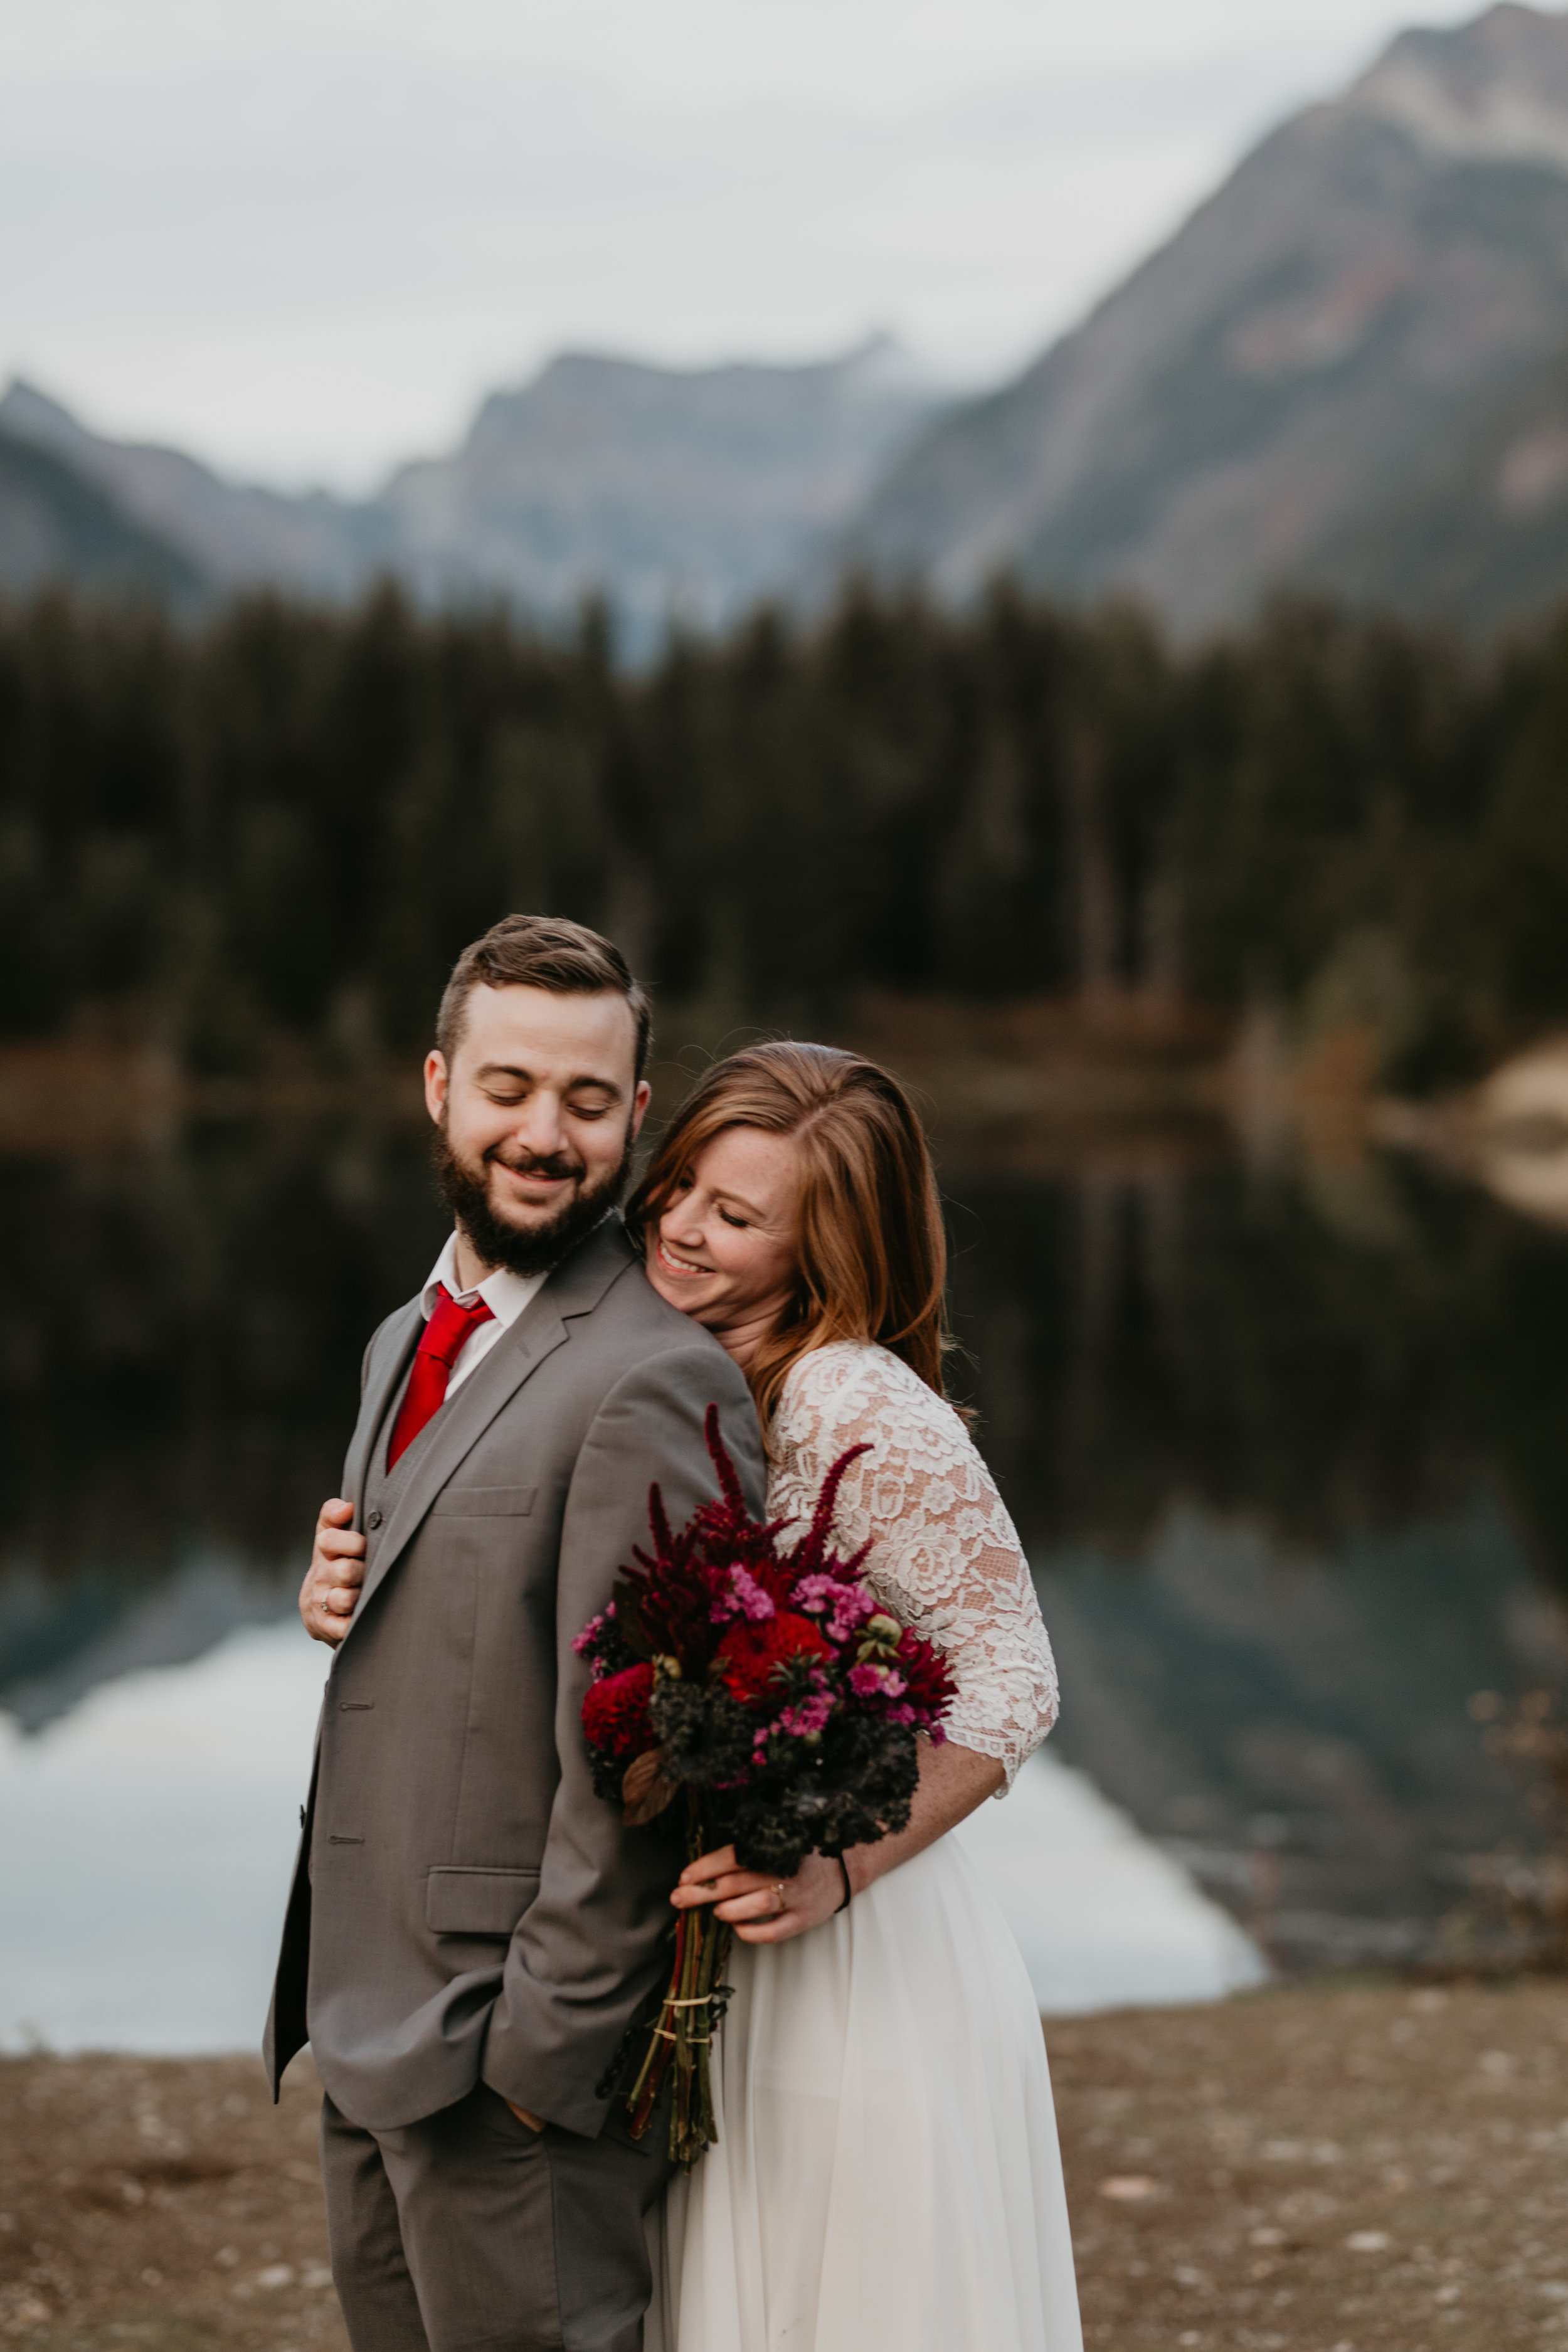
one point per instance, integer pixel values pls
(432, 1368)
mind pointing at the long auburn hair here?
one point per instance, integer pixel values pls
(872, 1251)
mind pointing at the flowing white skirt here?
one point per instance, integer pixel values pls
(887, 2177)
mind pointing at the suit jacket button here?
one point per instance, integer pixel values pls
(375, 1520)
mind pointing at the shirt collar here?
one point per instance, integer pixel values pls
(506, 1295)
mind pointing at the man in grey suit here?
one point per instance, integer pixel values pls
(471, 1932)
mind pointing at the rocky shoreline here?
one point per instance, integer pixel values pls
(1341, 2166)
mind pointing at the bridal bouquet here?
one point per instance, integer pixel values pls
(763, 1686)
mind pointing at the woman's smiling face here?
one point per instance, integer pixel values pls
(724, 1249)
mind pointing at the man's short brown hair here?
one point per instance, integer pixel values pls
(541, 952)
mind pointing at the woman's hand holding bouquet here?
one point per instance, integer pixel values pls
(758, 1909)
(764, 1687)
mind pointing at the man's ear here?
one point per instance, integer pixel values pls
(640, 1101)
(436, 1084)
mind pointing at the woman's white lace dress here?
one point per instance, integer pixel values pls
(887, 2177)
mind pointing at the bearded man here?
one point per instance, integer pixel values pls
(471, 1932)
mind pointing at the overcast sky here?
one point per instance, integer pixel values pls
(303, 236)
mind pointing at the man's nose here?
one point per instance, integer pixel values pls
(540, 1126)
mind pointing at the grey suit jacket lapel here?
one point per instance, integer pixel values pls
(575, 1288)
(393, 1349)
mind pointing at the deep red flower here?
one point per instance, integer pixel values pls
(748, 1653)
(614, 1713)
(928, 1677)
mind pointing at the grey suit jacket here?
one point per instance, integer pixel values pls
(464, 1907)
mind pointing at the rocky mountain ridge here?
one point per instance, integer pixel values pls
(676, 492)
(1347, 372)
(695, 492)
(57, 524)
(229, 535)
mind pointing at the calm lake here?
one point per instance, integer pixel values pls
(1286, 1451)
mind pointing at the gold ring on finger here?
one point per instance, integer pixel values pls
(779, 1891)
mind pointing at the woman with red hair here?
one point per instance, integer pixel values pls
(887, 2176)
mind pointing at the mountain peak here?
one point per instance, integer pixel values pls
(699, 489)
(1346, 373)
(1494, 91)
(588, 385)
(25, 410)
(692, 488)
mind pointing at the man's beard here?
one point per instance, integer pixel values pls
(538, 1249)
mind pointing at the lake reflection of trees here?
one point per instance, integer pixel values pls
(1334, 1352)
(1254, 1431)
(180, 1338)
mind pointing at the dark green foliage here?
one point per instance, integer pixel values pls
(866, 1775)
(272, 837)
(705, 1734)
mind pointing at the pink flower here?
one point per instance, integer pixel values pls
(806, 1720)
(877, 1682)
(756, 1604)
(745, 1597)
(591, 1632)
(846, 1606)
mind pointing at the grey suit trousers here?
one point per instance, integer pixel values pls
(469, 2232)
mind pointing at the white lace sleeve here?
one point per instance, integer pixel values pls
(945, 1555)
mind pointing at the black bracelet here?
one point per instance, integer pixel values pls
(848, 1890)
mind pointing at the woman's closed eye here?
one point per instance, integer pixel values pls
(740, 1223)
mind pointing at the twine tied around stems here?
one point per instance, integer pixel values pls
(701, 1946)
(698, 2000)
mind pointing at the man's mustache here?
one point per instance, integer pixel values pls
(558, 1164)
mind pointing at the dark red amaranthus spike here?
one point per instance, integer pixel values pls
(658, 1520)
(729, 1480)
(809, 1552)
(725, 1529)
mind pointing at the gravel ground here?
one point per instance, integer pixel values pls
(1334, 2168)
(1326, 2170)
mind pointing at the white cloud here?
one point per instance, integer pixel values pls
(305, 236)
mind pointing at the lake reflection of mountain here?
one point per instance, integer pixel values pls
(1287, 1453)
(1289, 1457)
(1294, 1727)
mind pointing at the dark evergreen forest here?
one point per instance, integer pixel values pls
(269, 837)
(258, 846)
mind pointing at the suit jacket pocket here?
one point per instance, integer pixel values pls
(463, 1902)
(483, 1503)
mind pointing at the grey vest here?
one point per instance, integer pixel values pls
(384, 1489)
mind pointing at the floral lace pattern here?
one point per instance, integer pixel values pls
(945, 1555)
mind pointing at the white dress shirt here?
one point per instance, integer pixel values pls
(506, 1295)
